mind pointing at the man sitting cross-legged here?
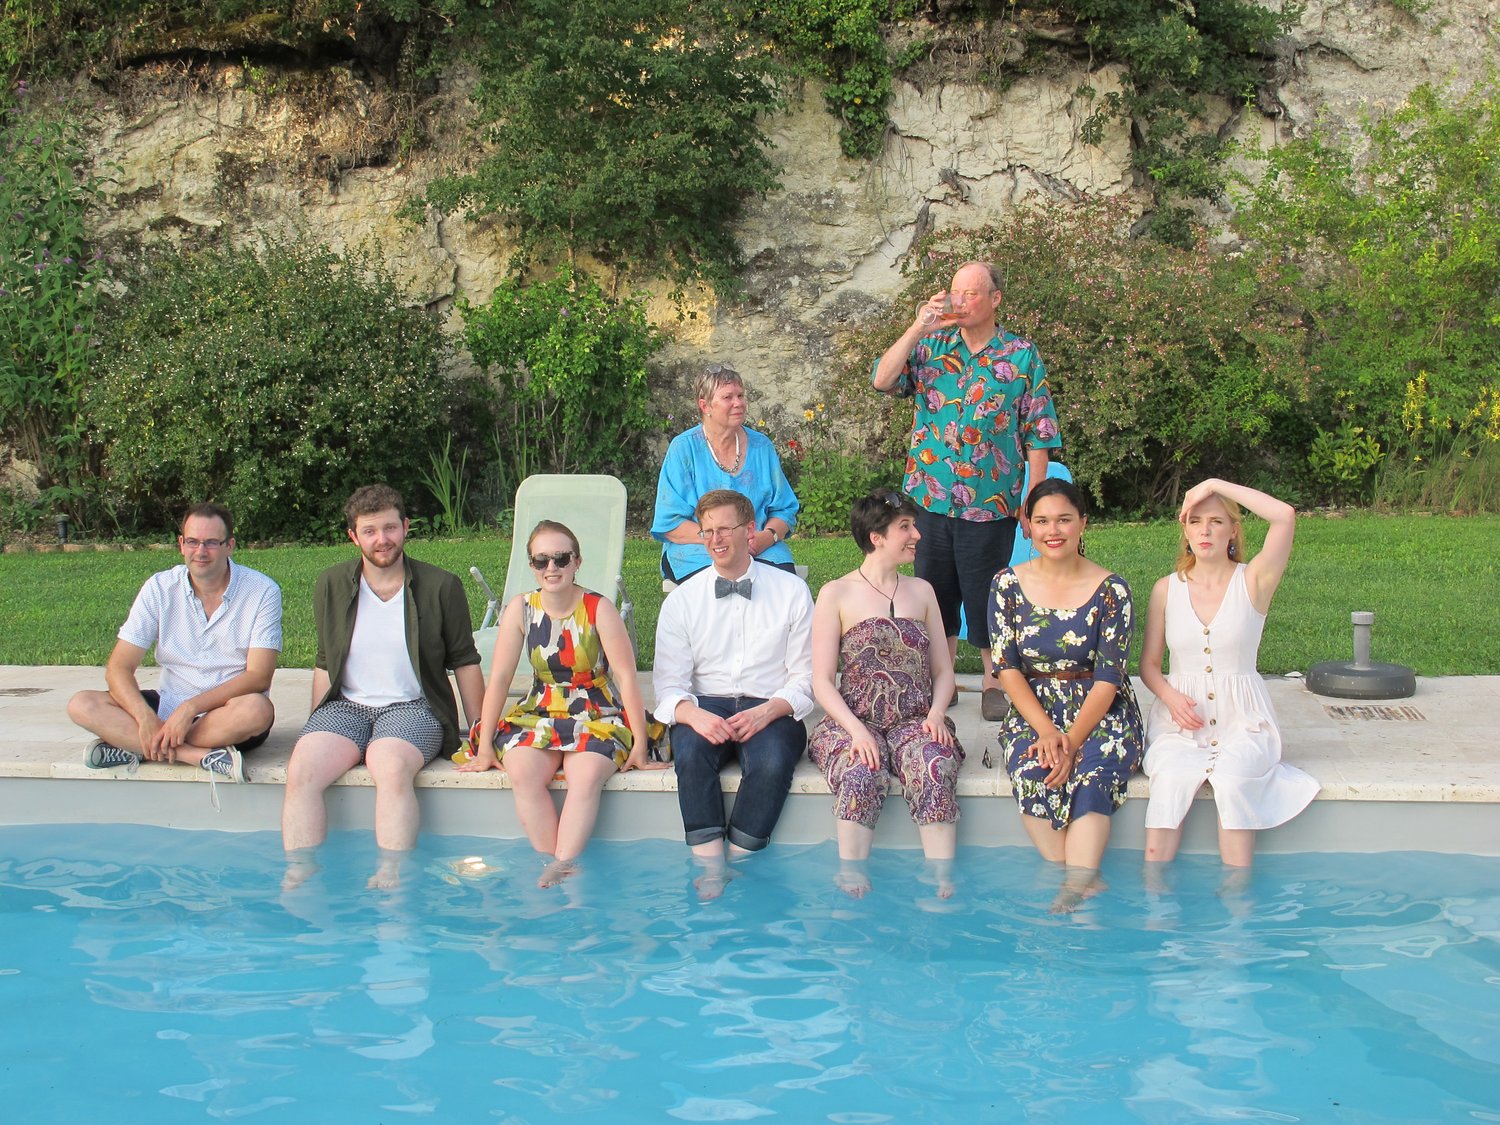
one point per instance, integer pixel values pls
(734, 675)
(216, 629)
(389, 630)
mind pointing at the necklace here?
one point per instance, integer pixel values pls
(739, 453)
(892, 596)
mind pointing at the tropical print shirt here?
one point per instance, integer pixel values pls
(977, 413)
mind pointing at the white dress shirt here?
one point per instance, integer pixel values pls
(759, 646)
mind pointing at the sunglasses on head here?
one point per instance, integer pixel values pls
(561, 558)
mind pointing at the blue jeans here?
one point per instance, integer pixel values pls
(767, 760)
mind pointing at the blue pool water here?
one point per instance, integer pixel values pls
(154, 975)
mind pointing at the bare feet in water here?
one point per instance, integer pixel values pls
(387, 876)
(1080, 885)
(556, 871)
(715, 877)
(852, 879)
(939, 874)
(300, 867)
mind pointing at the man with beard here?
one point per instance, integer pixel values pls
(389, 630)
(983, 414)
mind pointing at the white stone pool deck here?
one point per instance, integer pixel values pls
(1419, 774)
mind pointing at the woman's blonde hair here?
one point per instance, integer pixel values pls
(714, 376)
(1186, 560)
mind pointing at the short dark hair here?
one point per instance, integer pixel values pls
(1056, 486)
(372, 498)
(210, 511)
(725, 498)
(875, 513)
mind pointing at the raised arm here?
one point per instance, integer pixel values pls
(1264, 572)
(888, 368)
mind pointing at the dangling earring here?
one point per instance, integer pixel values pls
(1189, 548)
(1080, 546)
(1233, 553)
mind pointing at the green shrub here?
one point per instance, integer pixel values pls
(829, 467)
(567, 366)
(273, 382)
(1396, 260)
(49, 285)
(628, 130)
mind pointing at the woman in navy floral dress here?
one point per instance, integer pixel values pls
(1073, 736)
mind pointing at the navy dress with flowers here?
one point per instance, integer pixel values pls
(1089, 643)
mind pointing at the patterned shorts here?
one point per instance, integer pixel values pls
(411, 721)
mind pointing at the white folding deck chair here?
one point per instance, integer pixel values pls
(593, 507)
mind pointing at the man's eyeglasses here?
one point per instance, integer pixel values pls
(707, 533)
(561, 559)
(206, 544)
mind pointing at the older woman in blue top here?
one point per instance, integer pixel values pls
(721, 453)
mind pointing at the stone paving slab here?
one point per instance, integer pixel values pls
(1439, 746)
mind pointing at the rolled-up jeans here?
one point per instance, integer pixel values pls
(767, 760)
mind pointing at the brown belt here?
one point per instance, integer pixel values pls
(1064, 674)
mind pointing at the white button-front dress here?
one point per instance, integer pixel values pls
(1237, 751)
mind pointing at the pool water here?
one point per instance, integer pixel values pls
(154, 975)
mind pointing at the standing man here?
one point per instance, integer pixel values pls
(389, 630)
(216, 628)
(983, 414)
(734, 676)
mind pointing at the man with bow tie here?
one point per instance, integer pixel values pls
(733, 676)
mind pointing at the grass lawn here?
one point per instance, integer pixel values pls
(1433, 582)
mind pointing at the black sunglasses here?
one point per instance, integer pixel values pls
(561, 558)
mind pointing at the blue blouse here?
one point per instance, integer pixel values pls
(689, 470)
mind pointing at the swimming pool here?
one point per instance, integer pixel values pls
(150, 974)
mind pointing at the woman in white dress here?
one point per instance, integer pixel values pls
(1213, 721)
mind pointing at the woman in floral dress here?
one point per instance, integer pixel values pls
(584, 712)
(888, 716)
(1072, 736)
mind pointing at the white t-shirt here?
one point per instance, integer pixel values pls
(378, 671)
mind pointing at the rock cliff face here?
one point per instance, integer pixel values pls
(233, 149)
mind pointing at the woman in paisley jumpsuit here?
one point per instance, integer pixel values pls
(887, 717)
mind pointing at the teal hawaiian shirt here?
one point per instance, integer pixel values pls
(977, 413)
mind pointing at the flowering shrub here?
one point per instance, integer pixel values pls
(1165, 364)
(828, 472)
(273, 382)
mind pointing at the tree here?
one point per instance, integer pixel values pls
(622, 129)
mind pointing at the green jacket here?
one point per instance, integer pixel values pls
(439, 633)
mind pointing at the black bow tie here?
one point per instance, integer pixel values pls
(723, 587)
